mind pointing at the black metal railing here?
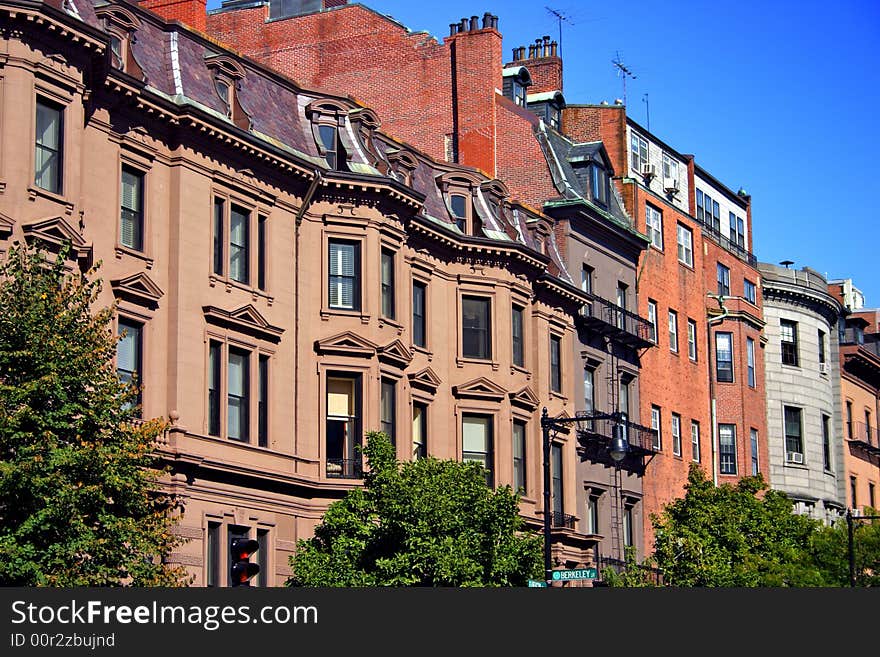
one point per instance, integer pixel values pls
(618, 566)
(563, 520)
(345, 468)
(638, 436)
(863, 432)
(627, 325)
(733, 247)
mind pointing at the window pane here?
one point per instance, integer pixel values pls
(238, 244)
(131, 216)
(555, 368)
(419, 430)
(343, 263)
(475, 324)
(388, 406)
(724, 357)
(214, 388)
(388, 284)
(219, 216)
(517, 331)
(263, 403)
(519, 455)
(727, 448)
(237, 393)
(47, 161)
(327, 134)
(477, 441)
(419, 314)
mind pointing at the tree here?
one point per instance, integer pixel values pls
(78, 486)
(734, 536)
(428, 522)
(828, 552)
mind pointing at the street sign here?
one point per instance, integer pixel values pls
(534, 584)
(583, 573)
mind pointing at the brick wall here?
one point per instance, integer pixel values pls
(189, 12)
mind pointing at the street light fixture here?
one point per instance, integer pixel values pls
(618, 450)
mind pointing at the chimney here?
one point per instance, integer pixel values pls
(487, 20)
(189, 12)
(545, 66)
(553, 49)
(453, 28)
(463, 25)
(546, 49)
(475, 23)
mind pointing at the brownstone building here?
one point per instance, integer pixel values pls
(287, 275)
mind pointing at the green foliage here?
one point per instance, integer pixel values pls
(742, 535)
(77, 481)
(633, 574)
(828, 552)
(422, 523)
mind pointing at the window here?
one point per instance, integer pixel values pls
(129, 355)
(727, 448)
(724, 357)
(331, 148)
(238, 396)
(826, 442)
(871, 496)
(131, 211)
(716, 215)
(476, 325)
(388, 406)
(849, 420)
(516, 323)
(593, 512)
(869, 438)
(556, 483)
(695, 441)
(459, 206)
(852, 493)
(676, 434)
(214, 368)
(387, 283)
(235, 220)
(737, 231)
(587, 279)
(599, 185)
(750, 361)
(555, 363)
(212, 555)
(673, 331)
(519, 93)
(788, 331)
(670, 167)
(700, 214)
(749, 291)
(656, 426)
(652, 319)
(654, 223)
(753, 442)
(343, 426)
(261, 558)
(692, 339)
(476, 431)
(638, 149)
(419, 431)
(624, 394)
(628, 524)
(344, 275)
(419, 322)
(589, 392)
(519, 455)
(794, 447)
(821, 337)
(621, 303)
(263, 401)
(49, 146)
(685, 246)
(723, 280)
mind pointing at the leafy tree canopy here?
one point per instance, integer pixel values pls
(428, 522)
(78, 505)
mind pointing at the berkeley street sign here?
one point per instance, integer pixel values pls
(583, 573)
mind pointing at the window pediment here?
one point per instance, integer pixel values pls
(348, 344)
(426, 379)
(6, 224)
(525, 398)
(118, 16)
(54, 232)
(481, 388)
(225, 65)
(246, 319)
(138, 288)
(395, 353)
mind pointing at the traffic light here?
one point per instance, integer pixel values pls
(242, 570)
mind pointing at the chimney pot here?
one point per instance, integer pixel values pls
(531, 50)
(494, 21)
(487, 20)
(475, 23)
(553, 46)
(453, 28)
(463, 25)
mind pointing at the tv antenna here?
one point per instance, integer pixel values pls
(560, 17)
(622, 71)
(647, 110)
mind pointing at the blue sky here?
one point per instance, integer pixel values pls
(778, 97)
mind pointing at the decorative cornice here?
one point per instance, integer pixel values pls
(246, 319)
(481, 388)
(138, 288)
(525, 398)
(426, 379)
(347, 344)
(54, 232)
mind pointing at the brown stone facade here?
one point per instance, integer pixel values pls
(289, 277)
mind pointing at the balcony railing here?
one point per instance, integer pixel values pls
(617, 565)
(739, 251)
(618, 323)
(563, 520)
(345, 468)
(595, 440)
(863, 432)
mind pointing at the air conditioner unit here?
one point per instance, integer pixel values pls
(794, 457)
(649, 170)
(823, 368)
(670, 185)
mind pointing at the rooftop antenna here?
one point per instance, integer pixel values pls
(623, 71)
(787, 263)
(647, 110)
(560, 17)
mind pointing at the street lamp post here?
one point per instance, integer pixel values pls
(617, 449)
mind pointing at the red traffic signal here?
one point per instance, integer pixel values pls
(242, 570)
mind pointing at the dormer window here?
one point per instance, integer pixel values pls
(555, 118)
(599, 185)
(519, 93)
(460, 206)
(548, 105)
(227, 75)
(121, 25)
(516, 80)
(328, 119)
(403, 165)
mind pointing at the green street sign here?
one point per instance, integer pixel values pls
(534, 584)
(583, 573)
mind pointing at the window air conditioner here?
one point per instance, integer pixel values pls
(649, 170)
(823, 368)
(795, 457)
(670, 185)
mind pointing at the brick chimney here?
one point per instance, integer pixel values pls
(475, 49)
(544, 64)
(190, 12)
